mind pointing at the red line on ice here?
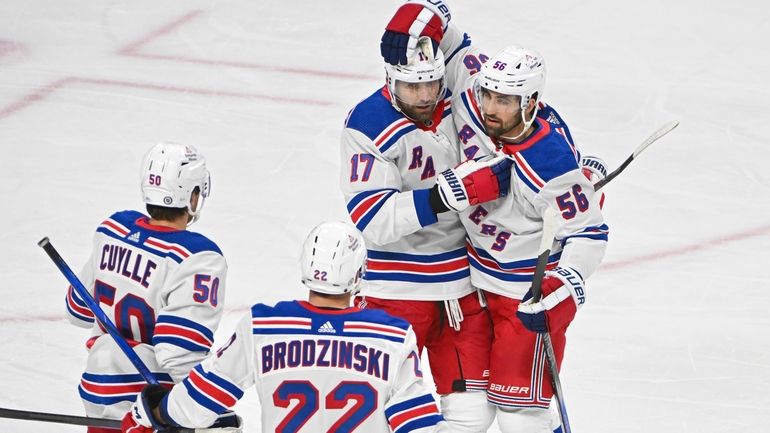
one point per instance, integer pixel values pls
(687, 249)
(133, 49)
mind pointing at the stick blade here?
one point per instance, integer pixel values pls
(663, 130)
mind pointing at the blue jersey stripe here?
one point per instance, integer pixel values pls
(408, 404)
(519, 278)
(419, 423)
(179, 342)
(422, 258)
(369, 215)
(471, 112)
(425, 213)
(465, 43)
(416, 278)
(186, 323)
(221, 382)
(202, 399)
(394, 138)
(144, 247)
(358, 198)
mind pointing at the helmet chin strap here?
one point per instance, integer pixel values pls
(196, 214)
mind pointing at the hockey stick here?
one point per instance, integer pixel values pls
(97, 310)
(550, 226)
(59, 418)
(68, 419)
(663, 130)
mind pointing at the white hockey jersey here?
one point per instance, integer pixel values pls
(163, 289)
(389, 163)
(308, 365)
(504, 235)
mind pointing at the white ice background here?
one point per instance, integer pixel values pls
(675, 336)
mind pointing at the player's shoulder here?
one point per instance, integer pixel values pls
(549, 114)
(281, 309)
(376, 118)
(194, 242)
(466, 107)
(301, 317)
(549, 156)
(380, 317)
(134, 227)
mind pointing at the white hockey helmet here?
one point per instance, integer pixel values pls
(425, 66)
(515, 71)
(170, 173)
(333, 258)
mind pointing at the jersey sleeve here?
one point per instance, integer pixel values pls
(462, 58)
(371, 184)
(78, 312)
(410, 406)
(193, 300)
(216, 384)
(583, 233)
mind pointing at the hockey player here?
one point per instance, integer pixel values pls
(504, 235)
(399, 150)
(309, 360)
(161, 285)
(499, 110)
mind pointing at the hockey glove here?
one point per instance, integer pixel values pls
(562, 294)
(140, 418)
(594, 169)
(412, 20)
(474, 182)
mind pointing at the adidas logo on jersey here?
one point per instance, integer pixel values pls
(134, 237)
(327, 328)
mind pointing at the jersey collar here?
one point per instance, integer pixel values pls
(144, 223)
(310, 307)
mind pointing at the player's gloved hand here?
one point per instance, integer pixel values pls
(412, 20)
(594, 169)
(140, 418)
(474, 182)
(562, 295)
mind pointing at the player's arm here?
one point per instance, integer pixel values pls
(194, 300)
(78, 312)
(583, 235)
(372, 186)
(410, 406)
(210, 389)
(421, 18)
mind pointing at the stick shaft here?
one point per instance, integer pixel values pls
(46, 245)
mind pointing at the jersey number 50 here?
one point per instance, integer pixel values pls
(307, 395)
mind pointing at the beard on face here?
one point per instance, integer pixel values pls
(421, 113)
(496, 127)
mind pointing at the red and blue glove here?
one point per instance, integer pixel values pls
(474, 182)
(411, 21)
(140, 419)
(562, 295)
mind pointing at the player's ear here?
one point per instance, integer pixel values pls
(532, 102)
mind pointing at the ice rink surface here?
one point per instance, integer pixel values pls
(675, 336)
